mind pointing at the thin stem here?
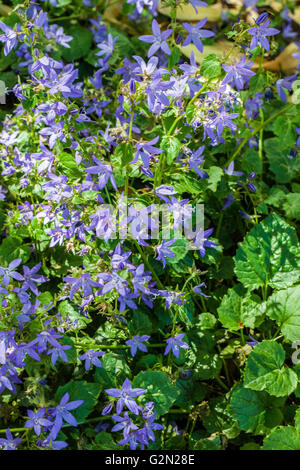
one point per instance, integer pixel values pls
(258, 129)
(221, 383)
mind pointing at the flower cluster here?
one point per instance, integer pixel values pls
(113, 282)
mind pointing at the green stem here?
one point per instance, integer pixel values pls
(221, 383)
(258, 129)
(115, 346)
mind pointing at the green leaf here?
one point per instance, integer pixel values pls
(171, 145)
(124, 153)
(159, 389)
(80, 390)
(211, 66)
(12, 248)
(80, 44)
(114, 370)
(284, 168)
(174, 58)
(254, 411)
(190, 392)
(104, 441)
(297, 421)
(283, 129)
(282, 438)
(264, 370)
(210, 443)
(240, 308)
(68, 311)
(205, 365)
(291, 206)
(69, 164)
(251, 162)
(179, 248)
(218, 419)
(215, 175)
(284, 307)
(269, 255)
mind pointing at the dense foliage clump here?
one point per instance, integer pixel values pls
(149, 201)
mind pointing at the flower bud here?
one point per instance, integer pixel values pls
(262, 18)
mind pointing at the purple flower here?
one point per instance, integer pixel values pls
(9, 272)
(196, 160)
(197, 3)
(253, 342)
(55, 132)
(201, 241)
(105, 173)
(158, 39)
(124, 423)
(262, 18)
(9, 443)
(91, 357)
(285, 83)
(9, 38)
(171, 297)
(59, 352)
(222, 120)
(298, 139)
(37, 420)
(134, 438)
(196, 33)
(104, 223)
(61, 413)
(259, 35)
(31, 278)
(106, 49)
(126, 395)
(175, 344)
(45, 337)
(198, 290)
(151, 426)
(238, 73)
(137, 343)
(163, 252)
(228, 201)
(51, 444)
(84, 283)
(230, 170)
(145, 150)
(114, 282)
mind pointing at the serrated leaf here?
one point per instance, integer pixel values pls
(269, 255)
(264, 370)
(12, 248)
(211, 66)
(67, 311)
(113, 372)
(284, 168)
(282, 438)
(284, 307)
(171, 145)
(80, 44)
(240, 308)
(253, 410)
(291, 206)
(159, 389)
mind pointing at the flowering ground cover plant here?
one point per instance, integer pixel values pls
(149, 209)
